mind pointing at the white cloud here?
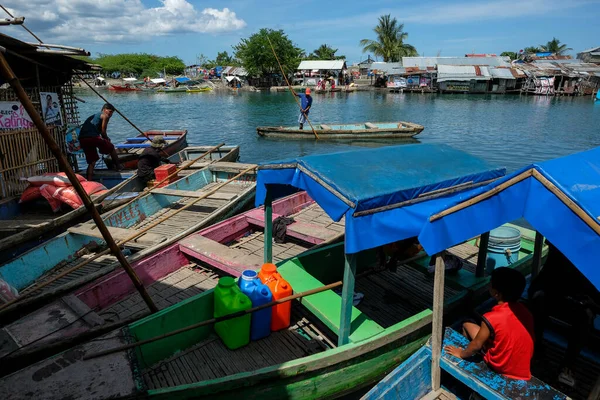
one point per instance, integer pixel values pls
(84, 21)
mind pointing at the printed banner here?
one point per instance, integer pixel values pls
(14, 116)
(51, 108)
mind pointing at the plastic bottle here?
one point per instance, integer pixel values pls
(280, 288)
(259, 294)
(229, 299)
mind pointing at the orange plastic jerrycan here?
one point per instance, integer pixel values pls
(229, 299)
(280, 288)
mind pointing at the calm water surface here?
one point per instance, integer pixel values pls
(511, 131)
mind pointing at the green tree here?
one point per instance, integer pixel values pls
(532, 49)
(554, 46)
(223, 59)
(324, 52)
(141, 64)
(390, 41)
(257, 57)
(511, 54)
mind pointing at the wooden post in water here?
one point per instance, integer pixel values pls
(268, 243)
(537, 254)
(482, 255)
(14, 82)
(437, 330)
(347, 298)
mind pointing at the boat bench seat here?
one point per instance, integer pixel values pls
(325, 127)
(119, 234)
(371, 125)
(489, 384)
(327, 305)
(233, 261)
(310, 233)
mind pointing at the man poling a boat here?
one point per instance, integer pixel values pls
(93, 136)
(305, 104)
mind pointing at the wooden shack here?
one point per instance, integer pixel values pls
(44, 71)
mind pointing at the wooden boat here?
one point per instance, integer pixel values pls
(23, 226)
(124, 88)
(180, 89)
(368, 130)
(82, 241)
(130, 151)
(199, 89)
(229, 246)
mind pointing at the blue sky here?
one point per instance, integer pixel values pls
(186, 28)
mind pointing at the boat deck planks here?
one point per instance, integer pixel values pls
(210, 358)
(391, 297)
(173, 288)
(468, 253)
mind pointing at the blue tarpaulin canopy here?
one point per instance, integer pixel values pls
(182, 79)
(386, 194)
(560, 198)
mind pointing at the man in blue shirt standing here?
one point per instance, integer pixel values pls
(305, 103)
(93, 136)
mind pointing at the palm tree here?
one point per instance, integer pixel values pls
(390, 41)
(555, 47)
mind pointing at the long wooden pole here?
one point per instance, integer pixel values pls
(64, 165)
(290, 87)
(134, 236)
(237, 314)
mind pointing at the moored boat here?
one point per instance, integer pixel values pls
(203, 198)
(130, 151)
(332, 347)
(124, 88)
(367, 130)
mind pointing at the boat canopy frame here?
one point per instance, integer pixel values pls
(375, 190)
(567, 188)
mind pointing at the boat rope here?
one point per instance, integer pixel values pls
(290, 87)
(240, 313)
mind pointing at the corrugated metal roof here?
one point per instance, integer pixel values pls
(502, 73)
(589, 50)
(424, 62)
(461, 73)
(394, 68)
(322, 64)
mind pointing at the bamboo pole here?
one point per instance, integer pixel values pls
(134, 236)
(237, 314)
(65, 166)
(290, 87)
(514, 180)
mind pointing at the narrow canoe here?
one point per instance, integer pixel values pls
(82, 241)
(198, 90)
(368, 130)
(123, 88)
(230, 246)
(303, 362)
(173, 90)
(130, 151)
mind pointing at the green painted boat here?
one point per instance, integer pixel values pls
(366, 130)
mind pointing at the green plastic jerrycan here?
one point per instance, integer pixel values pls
(229, 299)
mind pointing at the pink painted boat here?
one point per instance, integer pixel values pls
(171, 275)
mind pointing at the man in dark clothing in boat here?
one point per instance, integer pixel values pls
(151, 159)
(305, 104)
(93, 136)
(562, 291)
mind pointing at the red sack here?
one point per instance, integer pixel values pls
(30, 193)
(53, 178)
(69, 196)
(48, 192)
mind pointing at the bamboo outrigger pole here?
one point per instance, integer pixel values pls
(14, 82)
(290, 87)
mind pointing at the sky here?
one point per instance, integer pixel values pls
(188, 28)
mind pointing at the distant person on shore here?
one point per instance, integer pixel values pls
(506, 334)
(305, 104)
(151, 159)
(347, 81)
(93, 136)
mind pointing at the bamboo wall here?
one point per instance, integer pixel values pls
(23, 152)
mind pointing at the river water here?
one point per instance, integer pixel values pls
(508, 130)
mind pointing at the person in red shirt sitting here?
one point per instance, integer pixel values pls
(506, 335)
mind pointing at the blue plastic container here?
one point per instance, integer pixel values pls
(503, 247)
(259, 294)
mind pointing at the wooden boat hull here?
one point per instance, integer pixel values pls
(64, 248)
(129, 158)
(119, 88)
(392, 130)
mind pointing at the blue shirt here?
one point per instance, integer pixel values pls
(92, 127)
(306, 101)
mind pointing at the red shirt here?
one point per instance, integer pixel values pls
(512, 347)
